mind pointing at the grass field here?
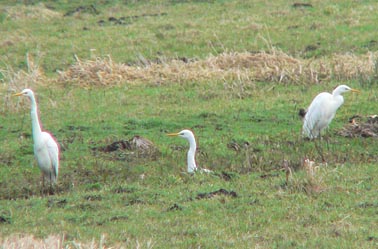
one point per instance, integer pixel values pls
(236, 73)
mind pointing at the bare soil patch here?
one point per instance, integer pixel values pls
(360, 126)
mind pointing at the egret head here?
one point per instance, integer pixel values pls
(343, 89)
(26, 92)
(187, 134)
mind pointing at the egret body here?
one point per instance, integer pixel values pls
(322, 110)
(46, 149)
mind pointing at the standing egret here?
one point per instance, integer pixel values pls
(322, 110)
(188, 135)
(46, 150)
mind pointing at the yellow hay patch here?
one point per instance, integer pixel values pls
(28, 241)
(18, 80)
(270, 67)
(40, 11)
(52, 241)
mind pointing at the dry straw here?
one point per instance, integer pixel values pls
(17, 80)
(361, 127)
(29, 11)
(51, 242)
(275, 66)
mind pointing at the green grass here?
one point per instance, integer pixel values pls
(101, 195)
(139, 201)
(185, 29)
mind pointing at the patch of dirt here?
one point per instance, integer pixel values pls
(5, 218)
(117, 145)
(174, 207)
(360, 126)
(119, 217)
(135, 201)
(238, 146)
(6, 159)
(93, 197)
(302, 5)
(90, 9)
(367, 205)
(120, 190)
(227, 176)
(139, 146)
(61, 203)
(263, 176)
(216, 193)
(126, 20)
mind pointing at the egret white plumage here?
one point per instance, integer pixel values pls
(322, 110)
(188, 135)
(46, 149)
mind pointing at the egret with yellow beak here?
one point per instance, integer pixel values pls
(46, 149)
(322, 110)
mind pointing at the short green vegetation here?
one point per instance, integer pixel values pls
(247, 130)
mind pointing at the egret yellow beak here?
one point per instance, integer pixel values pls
(355, 91)
(172, 134)
(17, 94)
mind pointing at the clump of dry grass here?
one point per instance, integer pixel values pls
(274, 66)
(361, 127)
(17, 80)
(27, 241)
(312, 182)
(98, 72)
(39, 11)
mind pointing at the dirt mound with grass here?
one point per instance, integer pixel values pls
(360, 126)
(275, 66)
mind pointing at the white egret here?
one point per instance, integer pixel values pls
(46, 149)
(188, 135)
(322, 110)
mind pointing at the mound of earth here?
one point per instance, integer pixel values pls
(360, 126)
(142, 146)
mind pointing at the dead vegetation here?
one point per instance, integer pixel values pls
(361, 127)
(27, 241)
(18, 80)
(275, 66)
(136, 147)
(30, 11)
(311, 182)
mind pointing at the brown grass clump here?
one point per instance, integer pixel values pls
(311, 182)
(29, 242)
(275, 66)
(39, 11)
(26, 241)
(18, 80)
(361, 127)
(346, 66)
(137, 147)
(98, 72)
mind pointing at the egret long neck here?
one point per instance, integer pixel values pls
(191, 155)
(36, 127)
